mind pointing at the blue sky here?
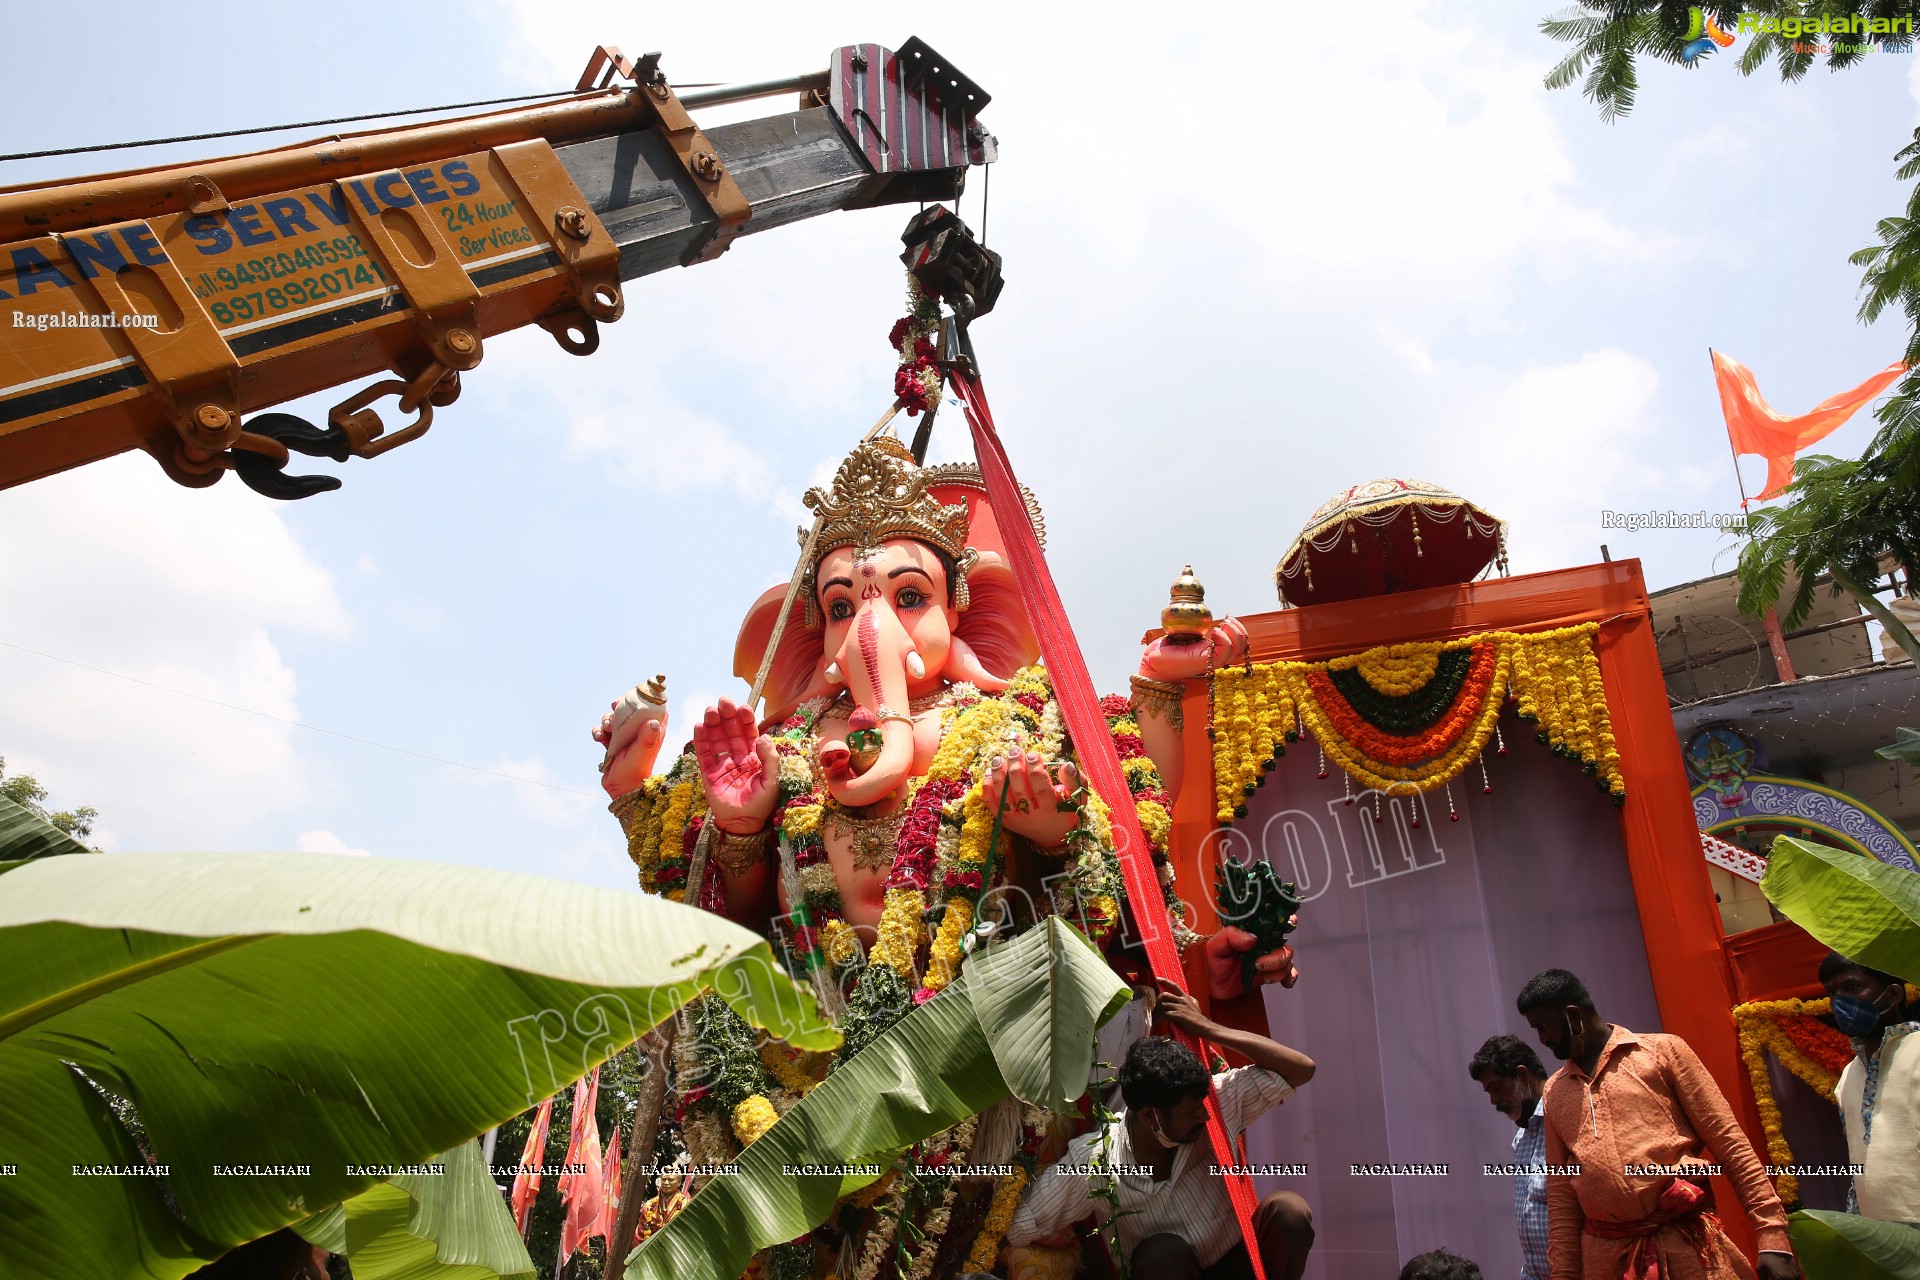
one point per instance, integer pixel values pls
(1249, 264)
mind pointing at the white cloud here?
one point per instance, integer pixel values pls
(1414, 353)
(539, 794)
(115, 567)
(326, 842)
(1555, 443)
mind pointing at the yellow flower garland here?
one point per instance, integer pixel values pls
(900, 931)
(784, 1069)
(1387, 777)
(839, 942)
(969, 742)
(1758, 1024)
(753, 1117)
(1554, 676)
(1394, 670)
(1006, 1199)
(944, 965)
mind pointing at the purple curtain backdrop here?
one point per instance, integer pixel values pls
(1412, 946)
(1814, 1134)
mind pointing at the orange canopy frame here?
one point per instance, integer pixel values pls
(1679, 919)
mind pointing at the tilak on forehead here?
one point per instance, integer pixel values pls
(880, 494)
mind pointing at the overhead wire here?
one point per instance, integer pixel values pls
(304, 124)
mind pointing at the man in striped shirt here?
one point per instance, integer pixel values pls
(1514, 1080)
(1152, 1161)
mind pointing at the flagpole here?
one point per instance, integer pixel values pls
(1729, 430)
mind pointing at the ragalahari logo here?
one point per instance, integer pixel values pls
(1894, 35)
(1702, 35)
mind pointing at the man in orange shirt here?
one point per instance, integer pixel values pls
(1634, 1125)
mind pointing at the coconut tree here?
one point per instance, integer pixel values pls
(1842, 518)
(1609, 36)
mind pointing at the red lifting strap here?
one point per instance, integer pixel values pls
(1080, 710)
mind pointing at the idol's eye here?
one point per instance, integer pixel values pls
(840, 610)
(910, 598)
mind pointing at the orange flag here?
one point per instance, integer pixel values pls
(1755, 428)
(526, 1183)
(581, 1192)
(610, 1196)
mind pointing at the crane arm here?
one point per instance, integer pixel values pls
(166, 308)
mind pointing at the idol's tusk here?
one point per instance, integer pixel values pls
(916, 666)
(833, 673)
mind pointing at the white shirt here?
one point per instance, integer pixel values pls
(1192, 1203)
(1890, 1187)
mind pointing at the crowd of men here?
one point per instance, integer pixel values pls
(1616, 1147)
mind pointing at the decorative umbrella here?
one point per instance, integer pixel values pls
(1388, 535)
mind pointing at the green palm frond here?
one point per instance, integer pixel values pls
(1568, 69)
(1909, 158)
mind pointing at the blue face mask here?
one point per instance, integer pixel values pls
(1855, 1017)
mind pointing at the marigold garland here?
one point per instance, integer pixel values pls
(1762, 1027)
(1469, 697)
(1394, 670)
(943, 856)
(753, 1117)
(782, 1067)
(1796, 1033)
(1006, 1199)
(1418, 713)
(1406, 713)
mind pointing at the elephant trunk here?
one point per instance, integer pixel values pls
(874, 662)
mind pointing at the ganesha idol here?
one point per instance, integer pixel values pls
(911, 774)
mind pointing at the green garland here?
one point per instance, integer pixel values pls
(1406, 714)
(733, 1070)
(881, 999)
(793, 1260)
(1252, 898)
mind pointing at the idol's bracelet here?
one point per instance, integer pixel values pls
(627, 809)
(738, 855)
(1161, 697)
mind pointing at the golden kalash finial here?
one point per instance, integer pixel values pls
(1186, 619)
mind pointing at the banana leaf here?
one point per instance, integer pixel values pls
(1846, 1246)
(1859, 906)
(1904, 747)
(452, 1226)
(25, 836)
(311, 1019)
(1045, 993)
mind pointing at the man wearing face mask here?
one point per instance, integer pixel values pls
(1879, 1091)
(1153, 1161)
(1643, 1122)
(1515, 1083)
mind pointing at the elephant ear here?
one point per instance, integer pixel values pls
(798, 665)
(994, 624)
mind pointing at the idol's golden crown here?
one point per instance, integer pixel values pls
(878, 494)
